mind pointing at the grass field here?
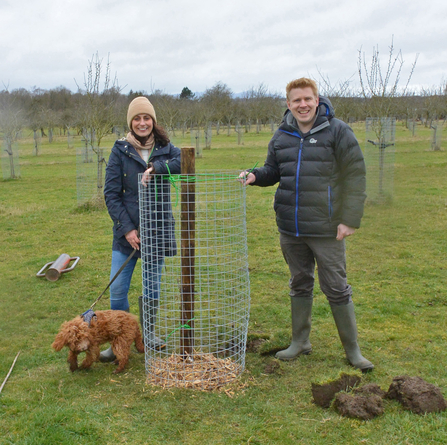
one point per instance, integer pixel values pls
(397, 266)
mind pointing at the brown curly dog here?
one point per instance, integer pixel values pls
(117, 327)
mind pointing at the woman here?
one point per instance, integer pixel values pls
(146, 149)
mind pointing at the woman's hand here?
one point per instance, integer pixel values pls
(147, 175)
(132, 239)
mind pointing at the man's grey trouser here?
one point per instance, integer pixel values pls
(301, 253)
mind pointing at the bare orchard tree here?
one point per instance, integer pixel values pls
(378, 87)
(11, 122)
(187, 109)
(260, 106)
(168, 110)
(434, 104)
(216, 102)
(339, 95)
(52, 119)
(97, 108)
(381, 91)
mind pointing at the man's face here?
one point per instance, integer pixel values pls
(303, 104)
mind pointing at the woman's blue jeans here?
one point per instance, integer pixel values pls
(119, 289)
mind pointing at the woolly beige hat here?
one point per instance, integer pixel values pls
(140, 105)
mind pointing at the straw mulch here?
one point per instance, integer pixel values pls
(202, 371)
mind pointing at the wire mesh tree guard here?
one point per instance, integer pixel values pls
(208, 134)
(379, 158)
(436, 135)
(197, 141)
(119, 131)
(204, 292)
(90, 173)
(240, 133)
(412, 126)
(37, 137)
(10, 158)
(70, 140)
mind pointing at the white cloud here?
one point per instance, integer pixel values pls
(169, 44)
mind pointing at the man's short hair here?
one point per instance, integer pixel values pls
(302, 82)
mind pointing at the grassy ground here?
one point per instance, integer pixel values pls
(397, 267)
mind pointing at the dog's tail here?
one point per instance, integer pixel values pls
(59, 342)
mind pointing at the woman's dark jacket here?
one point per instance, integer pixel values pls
(321, 175)
(123, 202)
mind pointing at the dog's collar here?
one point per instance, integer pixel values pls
(88, 316)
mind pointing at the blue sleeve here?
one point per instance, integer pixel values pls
(172, 162)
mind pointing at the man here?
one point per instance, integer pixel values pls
(319, 202)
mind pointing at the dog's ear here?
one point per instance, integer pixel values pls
(59, 342)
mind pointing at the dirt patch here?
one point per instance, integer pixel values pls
(324, 393)
(416, 395)
(369, 389)
(267, 349)
(273, 367)
(255, 344)
(357, 406)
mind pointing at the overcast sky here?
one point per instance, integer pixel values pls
(169, 44)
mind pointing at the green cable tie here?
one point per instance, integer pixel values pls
(251, 171)
(173, 183)
(175, 179)
(186, 326)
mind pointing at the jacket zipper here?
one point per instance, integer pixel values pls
(329, 200)
(297, 187)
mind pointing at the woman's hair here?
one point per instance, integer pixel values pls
(160, 134)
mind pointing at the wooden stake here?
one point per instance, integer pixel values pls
(9, 373)
(188, 234)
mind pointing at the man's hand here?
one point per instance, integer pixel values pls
(132, 239)
(246, 178)
(147, 175)
(344, 231)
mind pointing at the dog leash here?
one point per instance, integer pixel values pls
(89, 314)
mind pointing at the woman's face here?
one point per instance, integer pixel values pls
(142, 125)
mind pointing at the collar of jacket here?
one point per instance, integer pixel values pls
(129, 150)
(290, 124)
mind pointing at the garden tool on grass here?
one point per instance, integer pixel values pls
(58, 267)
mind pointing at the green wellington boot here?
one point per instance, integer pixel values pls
(301, 324)
(150, 339)
(344, 317)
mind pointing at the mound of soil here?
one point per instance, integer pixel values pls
(416, 395)
(324, 393)
(369, 389)
(358, 407)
